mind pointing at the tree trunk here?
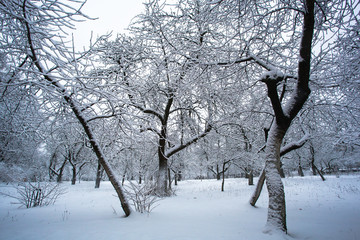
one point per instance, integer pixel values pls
(176, 178)
(59, 177)
(169, 176)
(123, 179)
(258, 188)
(283, 118)
(251, 178)
(300, 171)
(218, 174)
(223, 178)
(99, 173)
(162, 178)
(313, 169)
(277, 208)
(61, 172)
(319, 172)
(73, 179)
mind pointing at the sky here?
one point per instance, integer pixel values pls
(113, 15)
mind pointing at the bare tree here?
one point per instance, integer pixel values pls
(34, 32)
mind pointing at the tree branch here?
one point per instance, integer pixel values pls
(294, 145)
(180, 147)
(152, 130)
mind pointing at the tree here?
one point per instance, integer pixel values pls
(33, 32)
(169, 96)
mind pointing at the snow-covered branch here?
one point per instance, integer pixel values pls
(294, 145)
(180, 147)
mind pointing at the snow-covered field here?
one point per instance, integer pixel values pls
(315, 210)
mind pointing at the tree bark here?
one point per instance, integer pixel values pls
(169, 176)
(61, 172)
(162, 178)
(176, 178)
(251, 178)
(73, 179)
(300, 171)
(223, 178)
(275, 187)
(314, 169)
(258, 188)
(286, 149)
(218, 173)
(99, 173)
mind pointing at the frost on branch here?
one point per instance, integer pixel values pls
(273, 75)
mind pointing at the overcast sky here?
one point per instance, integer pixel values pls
(113, 15)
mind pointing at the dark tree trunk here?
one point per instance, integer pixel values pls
(73, 179)
(319, 172)
(162, 178)
(312, 153)
(176, 178)
(169, 175)
(300, 171)
(123, 179)
(223, 178)
(224, 169)
(61, 172)
(314, 169)
(251, 178)
(59, 177)
(99, 173)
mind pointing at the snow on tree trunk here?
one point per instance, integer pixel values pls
(277, 207)
(258, 188)
(283, 118)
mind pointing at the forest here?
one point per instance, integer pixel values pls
(195, 89)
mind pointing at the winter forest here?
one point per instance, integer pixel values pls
(218, 119)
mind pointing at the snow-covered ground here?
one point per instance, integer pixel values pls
(315, 210)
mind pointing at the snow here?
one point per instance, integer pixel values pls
(273, 74)
(315, 210)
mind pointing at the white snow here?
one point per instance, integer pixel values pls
(273, 74)
(315, 210)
